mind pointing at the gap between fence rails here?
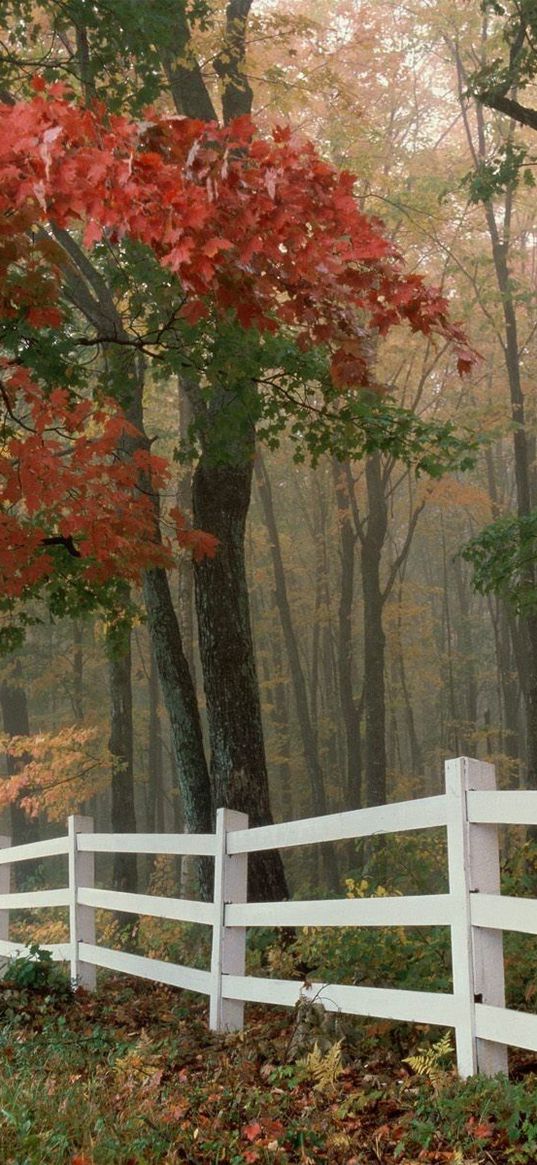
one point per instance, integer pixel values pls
(470, 809)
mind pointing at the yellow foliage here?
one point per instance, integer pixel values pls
(324, 1069)
(429, 1062)
(58, 771)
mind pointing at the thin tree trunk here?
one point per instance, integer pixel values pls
(78, 670)
(121, 748)
(374, 638)
(313, 767)
(17, 723)
(349, 707)
(155, 758)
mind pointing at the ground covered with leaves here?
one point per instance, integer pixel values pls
(132, 1076)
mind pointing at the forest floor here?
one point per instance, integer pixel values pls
(132, 1076)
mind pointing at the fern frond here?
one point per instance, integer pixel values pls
(429, 1062)
(324, 1069)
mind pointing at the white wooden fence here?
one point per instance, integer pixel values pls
(476, 913)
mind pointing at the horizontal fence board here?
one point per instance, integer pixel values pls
(31, 898)
(504, 1026)
(378, 1002)
(172, 974)
(34, 849)
(414, 910)
(500, 912)
(422, 813)
(61, 952)
(503, 807)
(180, 909)
(198, 844)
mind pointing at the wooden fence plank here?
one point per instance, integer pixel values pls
(504, 1026)
(503, 807)
(158, 971)
(422, 813)
(29, 899)
(180, 909)
(414, 910)
(477, 954)
(198, 844)
(61, 952)
(81, 918)
(382, 1003)
(35, 849)
(229, 944)
(501, 912)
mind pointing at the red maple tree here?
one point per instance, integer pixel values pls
(259, 227)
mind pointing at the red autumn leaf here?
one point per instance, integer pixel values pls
(482, 1130)
(252, 1131)
(44, 317)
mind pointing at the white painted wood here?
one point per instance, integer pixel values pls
(422, 813)
(5, 886)
(461, 934)
(500, 912)
(503, 807)
(414, 1006)
(182, 909)
(414, 910)
(202, 844)
(503, 1025)
(154, 969)
(34, 898)
(35, 849)
(477, 953)
(61, 952)
(229, 943)
(81, 918)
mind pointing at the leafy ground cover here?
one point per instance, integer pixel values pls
(131, 1076)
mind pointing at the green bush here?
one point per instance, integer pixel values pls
(36, 970)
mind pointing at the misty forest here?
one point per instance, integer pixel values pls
(268, 544)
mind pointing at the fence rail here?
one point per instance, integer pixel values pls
(474, 910)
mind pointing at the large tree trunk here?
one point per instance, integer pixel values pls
(221, 497)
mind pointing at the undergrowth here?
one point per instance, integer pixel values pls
(131, 1076)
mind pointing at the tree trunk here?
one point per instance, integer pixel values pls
(182, 707)
(374, 638)
(125, 876)
(78, 670)
(155, 765)
(313, 766)
(239, 779)
(17, 723)
(349, 708)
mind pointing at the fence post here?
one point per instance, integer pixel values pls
(81, 918)
(5, 888)
(229, 943)
(477, 953)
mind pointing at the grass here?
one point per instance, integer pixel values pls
(131, 1076)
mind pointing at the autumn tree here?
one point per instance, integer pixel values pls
(261, 235)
